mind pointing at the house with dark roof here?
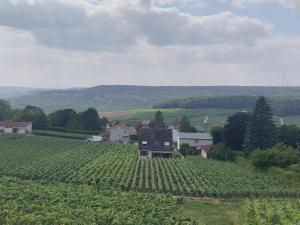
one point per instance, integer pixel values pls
(10, 127)
(202, 142)
(155, 142)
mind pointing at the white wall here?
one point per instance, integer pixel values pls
(193, 142)
(120, 134)
(21, 130)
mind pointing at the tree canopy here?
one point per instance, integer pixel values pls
(185, 125)
(261, 131)
(4, 109)
(34, 114)
(235, 130)
(158, 121)
(289, 135)
(217, 134)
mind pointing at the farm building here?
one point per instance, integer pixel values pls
(202, 142)
(10, 127)
(155, 142)
(120, 133)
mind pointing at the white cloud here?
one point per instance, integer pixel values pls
(65, 43)
(116, 24)
(227, 64)
(290, 4)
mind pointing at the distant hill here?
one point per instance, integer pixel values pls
(12, 92)
(123, 97)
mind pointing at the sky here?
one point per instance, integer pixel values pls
(82, 43)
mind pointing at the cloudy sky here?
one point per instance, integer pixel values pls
(77, 43)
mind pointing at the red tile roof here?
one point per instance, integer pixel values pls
(14, 124)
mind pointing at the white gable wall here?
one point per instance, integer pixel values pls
(120, 134)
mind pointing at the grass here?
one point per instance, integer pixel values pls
(213, 212)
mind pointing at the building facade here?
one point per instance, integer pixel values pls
(120, 133)
(202, 142)
(10, 127)
(156, 142)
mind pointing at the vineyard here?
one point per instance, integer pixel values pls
(105, 165)
(32, 203)
(272, 212)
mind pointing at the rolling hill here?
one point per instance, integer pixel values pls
(121, 97)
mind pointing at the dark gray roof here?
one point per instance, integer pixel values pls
(196, 136)
(156, 139)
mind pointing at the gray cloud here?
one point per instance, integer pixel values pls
(79, 25)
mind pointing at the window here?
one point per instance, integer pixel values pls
(196, 141)
(144, 142)
(167, 143)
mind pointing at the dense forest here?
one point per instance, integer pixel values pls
(282, 106)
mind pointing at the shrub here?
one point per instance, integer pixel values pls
(220, 152)
(279, 156)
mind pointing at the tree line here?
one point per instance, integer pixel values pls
(69, 119)
(255, 135)
(282, 106)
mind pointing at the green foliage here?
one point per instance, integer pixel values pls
(158, 121)
(220, 152)
(289, 135)
(261, 132)
(64, 130)
(272, 211)
(66, 118)
(34, 114)
(33, 203)
(4, 109)
(185, 125)
(285, 106)
(134, 137)
(235, 130)
(104, 165)
(90, 119)
(217, 134)
(224, 102)
(278, 156)
(61, 134)
(184, 149)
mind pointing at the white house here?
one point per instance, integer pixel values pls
(120, 133)
(200, 141)
(15, 127)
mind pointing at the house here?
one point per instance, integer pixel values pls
(120, 133)
(202, 142)
(10, 127)
(155, 142)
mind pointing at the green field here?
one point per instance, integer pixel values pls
(202, 119)
(48, 180)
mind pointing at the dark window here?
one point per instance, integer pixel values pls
(144, 153)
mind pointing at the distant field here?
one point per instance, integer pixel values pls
(202, 119)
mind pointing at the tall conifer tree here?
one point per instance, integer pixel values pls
(261, 131)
